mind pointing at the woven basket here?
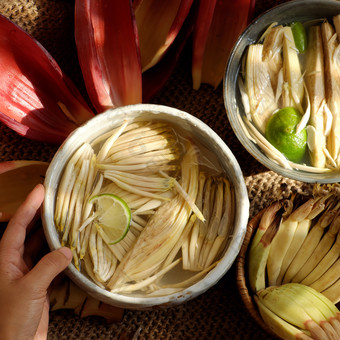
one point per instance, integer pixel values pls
(242, 283)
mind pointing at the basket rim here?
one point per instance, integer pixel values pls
(241, 277)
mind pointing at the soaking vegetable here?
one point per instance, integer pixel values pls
(294, 66)
(137, 202)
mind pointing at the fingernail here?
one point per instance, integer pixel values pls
(66, 252)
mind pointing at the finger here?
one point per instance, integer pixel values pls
(15, 233)
(48, 268)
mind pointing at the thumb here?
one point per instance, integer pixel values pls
(49, 267)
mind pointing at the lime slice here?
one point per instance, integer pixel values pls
(281, 133)
(113, 215)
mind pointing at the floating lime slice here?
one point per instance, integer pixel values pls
(113, 215)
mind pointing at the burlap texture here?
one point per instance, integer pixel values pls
(216, 314)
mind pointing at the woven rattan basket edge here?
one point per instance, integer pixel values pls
(241, 276)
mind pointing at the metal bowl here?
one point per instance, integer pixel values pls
(298, 10)
(179, 120)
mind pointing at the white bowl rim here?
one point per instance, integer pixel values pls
(132, 302)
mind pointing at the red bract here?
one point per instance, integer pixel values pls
(158, 24)
(37, 99)
(108, 52)
(219, 24)
(155, 78)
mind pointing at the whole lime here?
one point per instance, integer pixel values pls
(281, 133)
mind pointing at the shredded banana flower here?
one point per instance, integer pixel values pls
(158, 176)
(216, 199)
(162, 231)
(273, 75)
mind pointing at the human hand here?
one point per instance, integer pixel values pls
(23, 292)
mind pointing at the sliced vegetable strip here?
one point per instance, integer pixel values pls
(332, 76)
(315, 83)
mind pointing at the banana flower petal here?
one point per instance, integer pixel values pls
(17, 179)
(219, 24)
(156, 77)
(158, 24)
(35, 95)
(108, 52)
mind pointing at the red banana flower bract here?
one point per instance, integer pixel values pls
(158, 23)
(219, 23)
(108, 52)
(156, 77)
(37, 99)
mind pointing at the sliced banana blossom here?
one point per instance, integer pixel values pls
(315, 92)
(332, 83)
(213, 41)
(102, 28)
(293, 93)
(272, 53)
(35, 95)
(296, 311)
(17, 179)
(261, 95)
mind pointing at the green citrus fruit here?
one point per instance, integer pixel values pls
(112, 215)
(300, 37)
(281, 133)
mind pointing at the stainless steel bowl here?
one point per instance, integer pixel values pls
(181, 120)
(298, 10)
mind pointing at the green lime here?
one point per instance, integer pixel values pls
(300, 37)
(281, 133)
(113, 215)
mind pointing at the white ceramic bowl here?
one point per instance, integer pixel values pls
(179, 119)
(298, 10)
